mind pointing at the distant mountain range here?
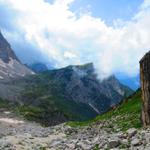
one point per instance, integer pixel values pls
(132, 82)
(54, 96)
(38, 67)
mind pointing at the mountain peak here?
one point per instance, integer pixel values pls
(10, 65)
(6, 53)
(87, 65)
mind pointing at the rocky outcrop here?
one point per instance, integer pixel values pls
(145, 87)
(10, 66)
(6, 52)
(77, 85)
(81, 84)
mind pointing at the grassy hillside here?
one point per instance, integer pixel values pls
(125, 116)
(50, 110)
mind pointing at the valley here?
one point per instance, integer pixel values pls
(74, 75)
(50, 97)
(65, 109)
(117, 129)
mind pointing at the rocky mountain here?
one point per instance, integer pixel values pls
(10, 66)
(70, 93)
(38, 67)
(10, 69)
(55, 96)
(82, 85)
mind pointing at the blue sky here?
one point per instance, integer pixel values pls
(109, 10)
(113, 34)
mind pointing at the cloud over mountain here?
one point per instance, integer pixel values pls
(63, 38)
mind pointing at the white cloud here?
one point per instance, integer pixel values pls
(69, 54)
(146, 4)
(67, 39)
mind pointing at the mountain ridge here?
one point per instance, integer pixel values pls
(54, 96)
(10, 65)
(5, 50)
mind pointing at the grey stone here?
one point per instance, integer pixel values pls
(84, 146)
(124, 142)
(135, 142)
(131, 132)
(112, 143)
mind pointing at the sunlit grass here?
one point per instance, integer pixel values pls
(125, 116)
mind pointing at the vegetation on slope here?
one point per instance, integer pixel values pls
(48, 111)
(46, 102)
(51, 94)
(125, 116)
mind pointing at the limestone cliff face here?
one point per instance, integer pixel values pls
(6, 52)
(10, 66)
(145, 87)
(10, 69)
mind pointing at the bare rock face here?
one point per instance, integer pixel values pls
(145, 87)
(10, 69)
(10, 66)
(5, 50)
